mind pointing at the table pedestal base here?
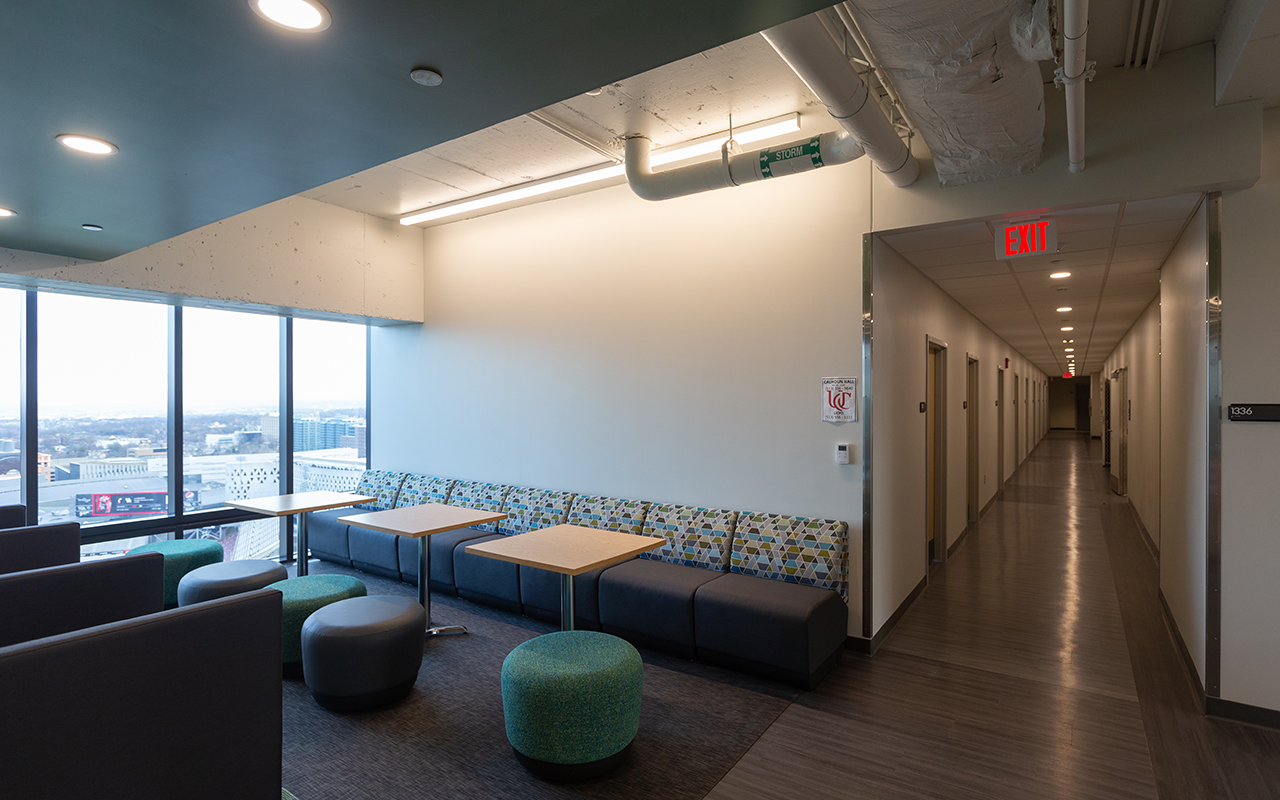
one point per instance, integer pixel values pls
(424, 591)
(566, 602)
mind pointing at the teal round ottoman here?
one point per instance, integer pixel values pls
(302, 597)
(180, 557)
(572, 703)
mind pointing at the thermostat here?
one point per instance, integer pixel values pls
(842, 453)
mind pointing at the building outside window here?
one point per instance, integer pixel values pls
(11, 301)
(329, 426)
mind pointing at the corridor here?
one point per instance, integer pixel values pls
(1036, 664)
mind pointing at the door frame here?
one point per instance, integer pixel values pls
(1000, 431)
(937, 451)
(973, 461)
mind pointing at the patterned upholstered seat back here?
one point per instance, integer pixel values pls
(420, 489)
(382, 484)
(795, 549)
(531, 509)
(696, 537)
(480, 495)
(608, 513)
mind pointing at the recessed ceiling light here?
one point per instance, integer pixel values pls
(1060, 275)
(87, 144)
(298, 15)
(1064, 309)
(1070, 350)
(88, 226)
(1068, 328)
(6, 212)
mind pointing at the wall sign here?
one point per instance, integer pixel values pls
(1032, 238)
(839, 399)
(1253, 412)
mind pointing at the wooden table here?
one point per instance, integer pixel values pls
(300, 503)
(569, 550)
(419, 522)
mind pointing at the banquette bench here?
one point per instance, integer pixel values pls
(760, 593)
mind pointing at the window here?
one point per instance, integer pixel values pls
(11, 302)
(230, 426)
(103, 389)
(329, 420)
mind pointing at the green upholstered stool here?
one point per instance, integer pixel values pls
(303, 596)
(572, 703)
(180, 557)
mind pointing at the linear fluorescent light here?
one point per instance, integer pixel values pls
(760, 131)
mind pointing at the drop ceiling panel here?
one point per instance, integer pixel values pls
(1177, 207)
(1165, 232)
(1134, 267)
(1085, 219)
(1086, 240)
(940, 238)
(1005, 281)
(1057, 262)
(1142, 252)
(964, 254)
(966, 270)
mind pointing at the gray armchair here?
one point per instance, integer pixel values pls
(39, 546)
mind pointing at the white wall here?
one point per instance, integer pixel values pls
(908, 308)
(292, 254)
(664, 351)
(1251, 452)
(1139, 351)
(1183, 432)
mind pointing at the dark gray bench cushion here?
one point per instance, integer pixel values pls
(486, 580)
(780, 630)
(39, 546)
(540, 596)
(327, 538)
(13, 516)
(442, 546)
(46, 602)
(374, 551)
(651, 602)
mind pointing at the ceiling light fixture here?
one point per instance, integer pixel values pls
(89, 226)
(87, 144)
(778, 126)
(425, 76)
(297, 15)
(1060, 275)
(1070, 349)
(1068, 328)
(1064, 309)
(8, 212)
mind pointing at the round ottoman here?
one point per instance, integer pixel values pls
(572, 703)
(302, 596)
(227, 578)
(180, 557)
(364, 652)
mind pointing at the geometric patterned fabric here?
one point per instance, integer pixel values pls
(532, 509)
(421, 489)
(481, 496)
(696, 537)
(608, 513)
(381, 484)
(795, 549)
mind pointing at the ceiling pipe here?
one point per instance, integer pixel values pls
(807, 48)
(845, 12)
(1074, 72)
(735, 169)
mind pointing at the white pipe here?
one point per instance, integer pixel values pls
(1075, 35)
(845, 12)
(1157, 34)
(805, 46)
(1133, 33)
(735, 170)
(1142, 30)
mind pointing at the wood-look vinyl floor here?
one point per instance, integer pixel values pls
(1036, 664)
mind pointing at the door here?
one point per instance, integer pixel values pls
(1026, 413)
(971, 406)
(935, 454)
(1082, 405)
(1017, 421)
(1121, 411)
(1106, 424)
(999, 431)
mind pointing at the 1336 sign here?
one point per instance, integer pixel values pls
(839, 399)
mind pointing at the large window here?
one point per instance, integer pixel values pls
(103, 388)
(230, 427)
(11, 302)
(329, 420)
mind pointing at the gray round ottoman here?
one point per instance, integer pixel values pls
(227, 578)
(363, 652)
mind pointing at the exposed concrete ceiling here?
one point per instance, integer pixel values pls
(216, 111)
(1113, 252)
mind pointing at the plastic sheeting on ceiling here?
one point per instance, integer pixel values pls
(978, 104)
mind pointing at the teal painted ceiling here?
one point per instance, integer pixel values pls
(216, 111)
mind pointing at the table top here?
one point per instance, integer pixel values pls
(567, 549)
(286, 504)
(423, 520)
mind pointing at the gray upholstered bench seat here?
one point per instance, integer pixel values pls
(327, 538)
(780, 630)
(486, 580)
(442, 547)
(540, 596)
(650, 603)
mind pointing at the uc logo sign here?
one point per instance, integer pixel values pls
(838, 400)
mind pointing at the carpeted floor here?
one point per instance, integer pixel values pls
(447, 739)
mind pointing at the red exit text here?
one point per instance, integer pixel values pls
(1021, 239)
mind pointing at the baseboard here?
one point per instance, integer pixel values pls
(1187, 660)
(868, 647)
(1146, 535)
(858, 645)
(952, 549)
(1242, 712)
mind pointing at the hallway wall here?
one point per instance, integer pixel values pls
(1183, 432)
(1251, 451)
(908, 308)
(1139, 350)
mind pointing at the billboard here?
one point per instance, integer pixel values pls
(114, 504)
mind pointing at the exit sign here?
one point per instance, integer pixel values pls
(1031, 238)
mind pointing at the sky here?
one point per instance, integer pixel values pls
(104, 358)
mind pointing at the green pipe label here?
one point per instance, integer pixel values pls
(790, 159)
